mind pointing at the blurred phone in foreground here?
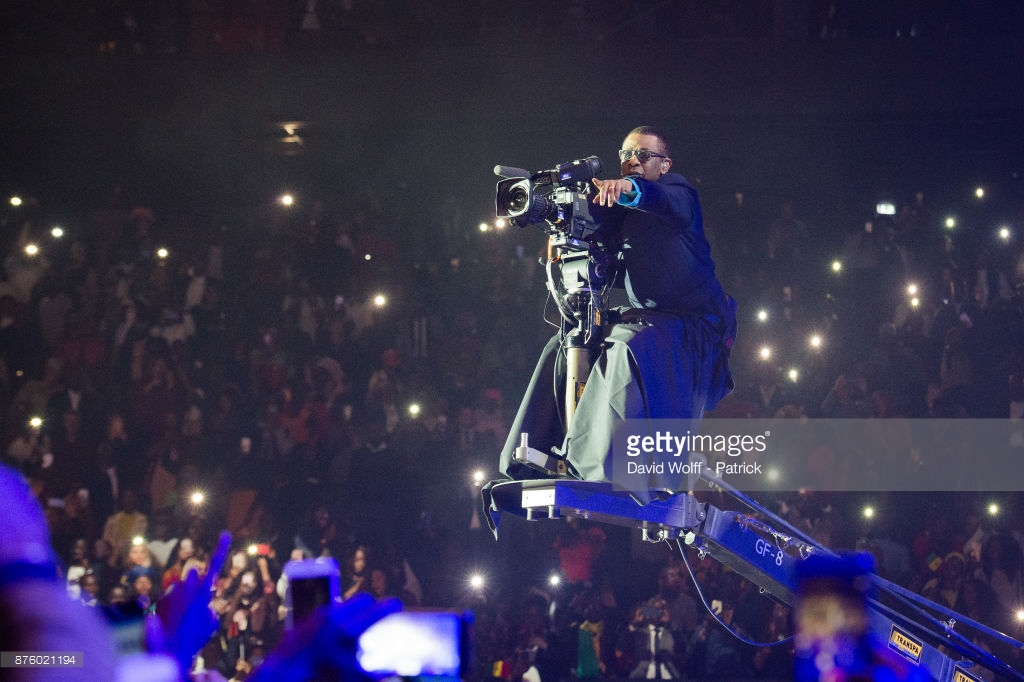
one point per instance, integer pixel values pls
(417, 643)
(312, 583)
(410, 643)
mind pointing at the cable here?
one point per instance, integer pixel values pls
(714, 615)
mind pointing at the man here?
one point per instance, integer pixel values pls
(666, 257)
(123, 526)
(667, 356)
(671, 617)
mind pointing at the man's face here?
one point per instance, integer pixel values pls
(654, 167)
(671, 581)
(138, 554)
(142, 584)
(90, 585)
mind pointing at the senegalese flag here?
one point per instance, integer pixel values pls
(502, 670)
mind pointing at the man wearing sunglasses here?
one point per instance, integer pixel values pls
(665, 256)
(667, 354)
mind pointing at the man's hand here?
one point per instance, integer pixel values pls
(608, 191)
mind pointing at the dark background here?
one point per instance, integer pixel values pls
(900, 99)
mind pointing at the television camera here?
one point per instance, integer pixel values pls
(559, 198)
(579, 265)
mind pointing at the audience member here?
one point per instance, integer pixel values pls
(123, 526)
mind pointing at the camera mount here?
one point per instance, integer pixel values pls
(579, 268)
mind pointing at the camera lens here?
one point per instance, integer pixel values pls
(518, 200)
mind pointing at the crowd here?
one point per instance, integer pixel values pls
(320, 386)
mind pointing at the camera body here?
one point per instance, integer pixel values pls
(653, 614)
(558, 198)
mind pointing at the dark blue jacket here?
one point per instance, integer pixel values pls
(665, 256)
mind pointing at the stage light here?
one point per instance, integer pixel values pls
(993, 509)
(915, 302)
(794, 374)
(16, 201)
(868, 512)
(1005, 234)
(484, 227)
(31, 250)
(477, 581)
(36, 423)
(500, 223)
(950, 223)
(380, 300)
(162, 253)
(138, 540)
(286, 200)
(555, 580)
(773, 475)
(815, 341)
(979, 192)
(197, 497)
(253, 549)
(1020, 615)
(414, 410)
(367, 257)
(478, 477)
(837, 266)
(762, 315)
(765, 353)
(57, 231)
(912, 289)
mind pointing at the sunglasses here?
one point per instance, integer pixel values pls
(642, 155)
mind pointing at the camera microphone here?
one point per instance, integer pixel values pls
(511, 172)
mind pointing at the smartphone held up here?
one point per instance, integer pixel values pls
(409, 643)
